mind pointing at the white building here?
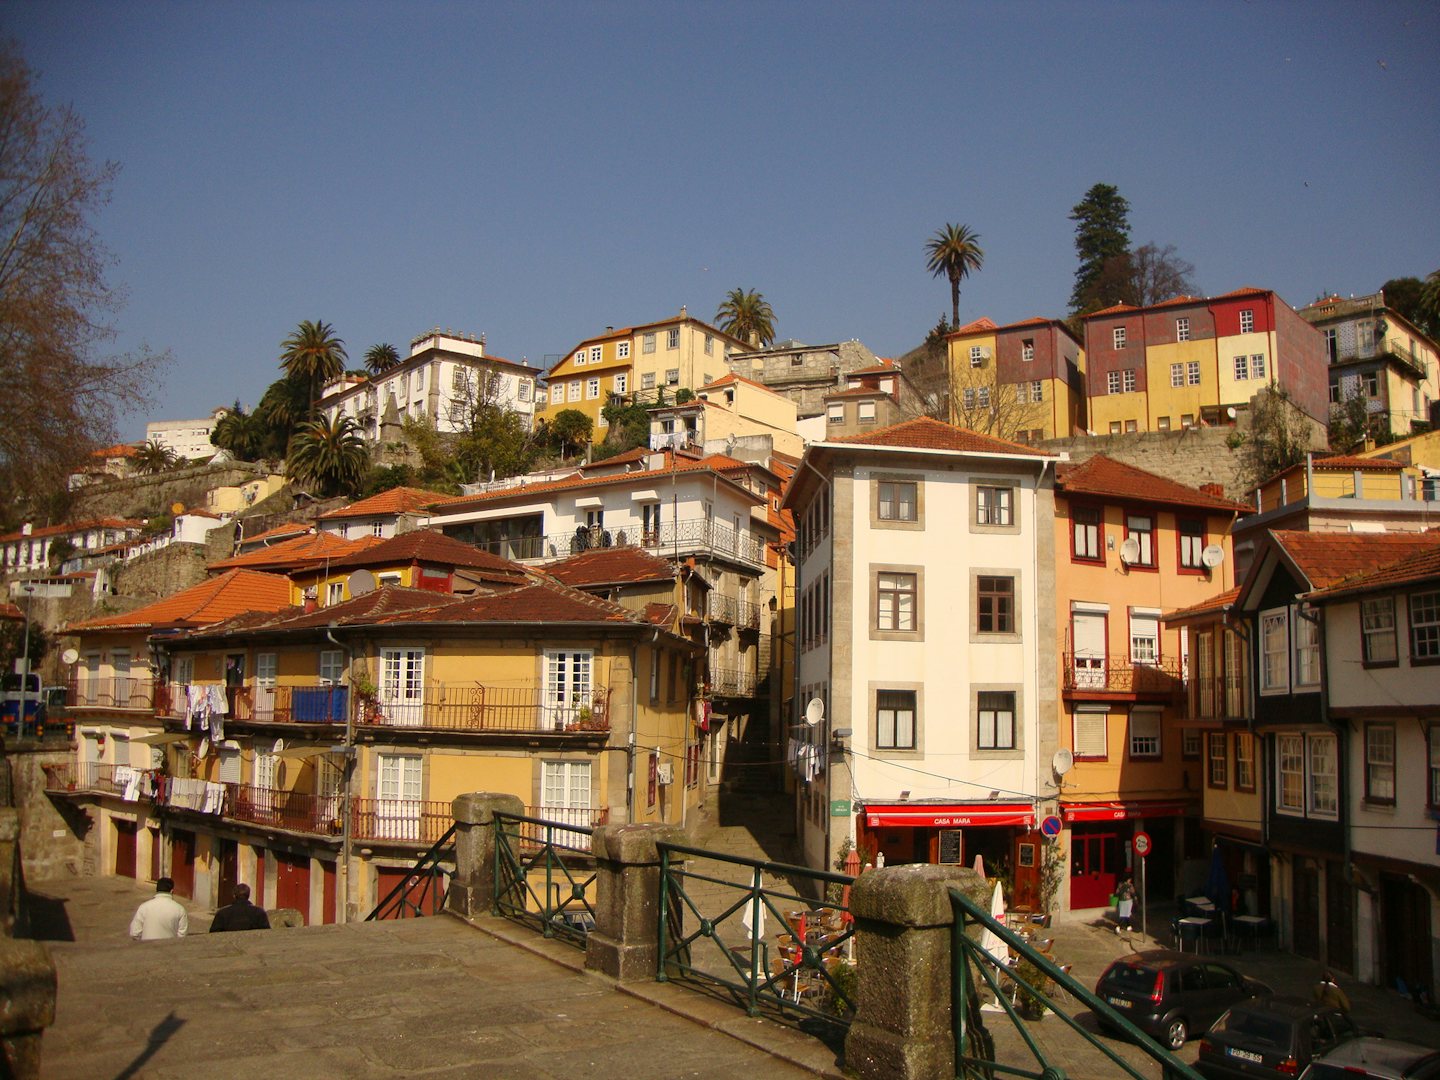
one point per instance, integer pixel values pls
(925, 627)
(441, 379)
(28, 551)
(186, 439)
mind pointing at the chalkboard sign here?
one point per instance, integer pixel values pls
(950, 845)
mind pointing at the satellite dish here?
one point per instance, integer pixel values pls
(1212, 556)
(1062, 762)
(177, 508)
(1130, 551)
(360, 582)
(279, 745)
(815, 711)
(69, 656)
(1230, 412)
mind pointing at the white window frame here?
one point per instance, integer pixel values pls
(1112, 382)
(622, 382)
(1290, 752)
(672, 376)
(592, 388)
(865, 412)
(579, 357)
(402, 686)
(835, 414)
(1322, 800)
(1247, 321)
(977, 356)
(596, 354)
(647, 380)
(1145, 636)
(1275, 651)
(1377, 623)
(672, 338)
(622, 350)
(568, 685)
(1177, 374)
(1027, 351)
(334, 593)
(1424, 612)
(267, 668)
(1145, 734)
(331, 667)
(1257, 365)
(1306, 670)
(1130, 380)
(574, 392)
(1242, 368)
(1037, 391)
(1182, 329)
(647, 343)
(1118, 337)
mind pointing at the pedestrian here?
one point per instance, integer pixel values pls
(1328, 992)
(240, 914)
(160, 917)
(1124, 904)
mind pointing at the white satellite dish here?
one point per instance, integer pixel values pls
(1062, 762)
(360, 582)
(69, 656)
(279, 745)
(1130, 551)
(815, 711)
(1212, 556)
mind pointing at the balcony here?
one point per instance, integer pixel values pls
(322, 703)
(749, 615)
(1122, 675)
(724, 609)
(732, 683)
(518, 710)
(112, 693)
(676, 540)
(582, 816)
(1219, 697)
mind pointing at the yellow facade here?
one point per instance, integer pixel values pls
(1172, 407)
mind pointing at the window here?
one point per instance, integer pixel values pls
(1257, 366)
(994, 505)
(1377, 623)
(1332, 345)
(1144, 734)
(969, 398)
(1192, 373)
(1112, 382)
(1247, 321)
(1118, 335)
(995, 720)
(977, 356)
(595, 354)
(567, 685)
(1129, 374)
(1177, 374)
(995, 606)
(1182, 329)
(1275, 652)
(1131, 427)
(460, 381)
(1190, 744)
(592, 388)
(895, 720)
(1365, 337)
(332, 666)
(1371, 382)
(1244, 761)
(1324, 786)
(1432, 769)
(647, 343)
(1380, 764)
(522, 389)
(1085, 533)
(1037, 390)
(1027, 350)
(265, 669)
(565, 785)
(1141, 529)
(836, 414)
(1307, 652)
(865, 412)
(672, 338)
(647, 381)
(1089, 735)
(672, 376)
(1290, 792)
(898, 501)
(895, 609)
(1187, 420)
(377, 528)
(982, 397)
(579, 356)
(575, 390)
(1217, 762)
(1424, 627)
(402, 685)
(1114, 427)
(621, 382)
(1022, 393)
(1191, 534)
(1144, 636)
(709, 345)
(334, 593)
(622, 350)
(1242, 367)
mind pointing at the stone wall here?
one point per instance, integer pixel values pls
(141, 496)
(52, 834)
(1195, 456)
(167, 571)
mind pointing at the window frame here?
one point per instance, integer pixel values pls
(1027, 350)
(1119, 338)
(1305, 649)
(1431, 651)
(592, 388)
(1013, 700)
(1192, 373)
(1177, 375)
(1130, 381)
(1096, 529)
(977, 356)
(861, 415)
(1274, 680)
(1112, 382)
(1242, 368)
(1380, 632)
(1244, 763)
(622, 350)
(1217, 778)
(898, 698)
(1146, 558)
(647, 343)
(672, 338)
(1247, 320)
(1189, 545)
(1081, 753)
(1005, 622)
(1189, 751)
(1182, 329)
(895, 519)
(1432, 765)
(1374, 763)
(1002, 506)
(879, 631)
(1132, 736)
(1312, 742)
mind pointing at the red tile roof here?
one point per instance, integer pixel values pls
(1244, 290)
(118, 450)
(11, 611)
(290, 528)
(1178, 300)
(726, 380)
(857, 391)
(925, 433)
(974, 327)
(611, 566)
(397, 500)
(201, 605)
(1327, 558)
(1215, 603)
(884, 367)
(1423, 565)
(1113, 309)
(425, 546)
(372, 607)
(77, 527)
(1364, 464)
(1037, 320)
(1107, 478)
(661, 614)
(302, 551)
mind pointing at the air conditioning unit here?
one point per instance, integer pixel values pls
(665, 773)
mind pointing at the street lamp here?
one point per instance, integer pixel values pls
(25, 657)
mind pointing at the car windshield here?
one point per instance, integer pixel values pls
(1256, 1027)
(1141, 980)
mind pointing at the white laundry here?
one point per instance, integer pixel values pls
(218, 705)
(214, 798)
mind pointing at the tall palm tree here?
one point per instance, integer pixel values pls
(954, 252)
(154, 458)
(332, 456)
(747, 316)
(381, 358)
(240, 433)
(315, 353)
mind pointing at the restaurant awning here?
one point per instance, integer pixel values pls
(161, 738)
(1121, 811)
(948, 815)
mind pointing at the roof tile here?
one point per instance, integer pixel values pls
(208, 602)
(424, 545)
(926, 433)
(1421, 565)
(396, 500)
(611, 566)
(1327, 558)
(300, 552)
(1107, 478)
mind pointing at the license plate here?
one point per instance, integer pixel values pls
(1244, 1055)
(1120, 1003)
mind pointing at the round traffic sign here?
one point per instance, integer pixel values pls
(1051, 826)
(1141, 843)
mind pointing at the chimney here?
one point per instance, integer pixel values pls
(683, 315)
(26, 529)
(1218, 490)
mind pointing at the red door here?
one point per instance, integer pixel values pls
(292, 883)
(126, 841)
(229, 871)
(182, 862)
(157, 847)
(1029, 848)
(259, 893)
(1094, 867)
(328, 896)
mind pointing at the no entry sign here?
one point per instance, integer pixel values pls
(1141, 843)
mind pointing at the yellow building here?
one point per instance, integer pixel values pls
(675, 353)
(1023, 381)
(1130, 546)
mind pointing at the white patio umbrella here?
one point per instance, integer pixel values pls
(980, 864)
(990, 941)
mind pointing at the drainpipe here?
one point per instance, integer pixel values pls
(829, 646)
(347, 773)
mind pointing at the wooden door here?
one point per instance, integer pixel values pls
(327, 911)
(258, 894)
(1307, 909)
(292, 883)
(1404, 923)
(156, 850)
(182, 862)
(1095, 864)
(1339, 919)
(126, 842)
(1029, 849)
(229, 861)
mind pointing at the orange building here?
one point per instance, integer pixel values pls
(1129, 546)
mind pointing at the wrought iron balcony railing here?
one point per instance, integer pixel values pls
(732, 682)
(749, 615)
(724, 608)
(475, 707)
(694, 537)
(1122, 675)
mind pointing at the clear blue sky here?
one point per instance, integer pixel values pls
(538, 171)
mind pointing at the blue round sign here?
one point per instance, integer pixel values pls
(1051, 826)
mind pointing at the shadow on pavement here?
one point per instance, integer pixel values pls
(49, 919)
(159, 1035)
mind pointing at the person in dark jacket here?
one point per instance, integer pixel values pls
(240, 914)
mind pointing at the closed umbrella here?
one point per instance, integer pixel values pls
(980, 864)
(990, 941)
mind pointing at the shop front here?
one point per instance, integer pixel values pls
(1101, 854)
(1002, 834)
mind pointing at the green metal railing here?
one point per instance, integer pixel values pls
(423, 890)
(545, 876)
(729, 947)
(975, 1044)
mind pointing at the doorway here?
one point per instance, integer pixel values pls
(229, 862)
(1339, 918)
(1306, 880)
(182, 862)
(126, 843)
(292, 883)
(1405, 929)
(1096, 861)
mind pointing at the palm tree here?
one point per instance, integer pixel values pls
(240, 433)
(155, 458)
(381, 358)
(954, 252)
(747, 316)
(332, 456)
(314, 353)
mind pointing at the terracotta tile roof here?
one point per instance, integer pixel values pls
(118, 450)
(727, 380)
(397, 500)
(1113, 309)
(925, 433)
(1107, 478)
(661, 614)
(1423, 565)
(1244, 290)
(1176, 301)
(857, 391)
(1327, 558)
(423, 545)
(201, 605)
(290, 528)
(11, 611)
(975, 327)
(68, 529)
(542, 601)
(1036, 320)
(300, 552)
(373, 607)
(884, 367)
(611, 566)
(629, 457)
(1216, 603)
(1364, 464)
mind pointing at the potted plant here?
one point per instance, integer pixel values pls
(1028, 1003)
(367, 697)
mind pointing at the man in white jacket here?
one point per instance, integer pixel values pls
(162, 916)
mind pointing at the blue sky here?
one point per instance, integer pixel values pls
(539, 171)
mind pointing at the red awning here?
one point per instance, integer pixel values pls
(1116, 811)
(949, 815)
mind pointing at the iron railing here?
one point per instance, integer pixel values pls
(425, 886)
(82, 776)
(732, 682)
(724, 609)
(974, 967)
(694, 537)
(475, 707)
(409, 820)
(1123, 674)
(714, 914)
(749, 615)
(110, 693)
(292, 810)
(545, 876)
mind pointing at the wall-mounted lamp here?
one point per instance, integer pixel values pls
(841, 733)
(904, 794)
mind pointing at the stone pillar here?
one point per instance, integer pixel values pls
(627, 902)
(27, 987)
(903, 1028)
(10, 881)
(472, 890)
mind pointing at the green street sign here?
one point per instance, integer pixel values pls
(839, 807)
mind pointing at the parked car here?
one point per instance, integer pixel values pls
(1378, 1059)
(1170, 995)
(1271, 1037)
